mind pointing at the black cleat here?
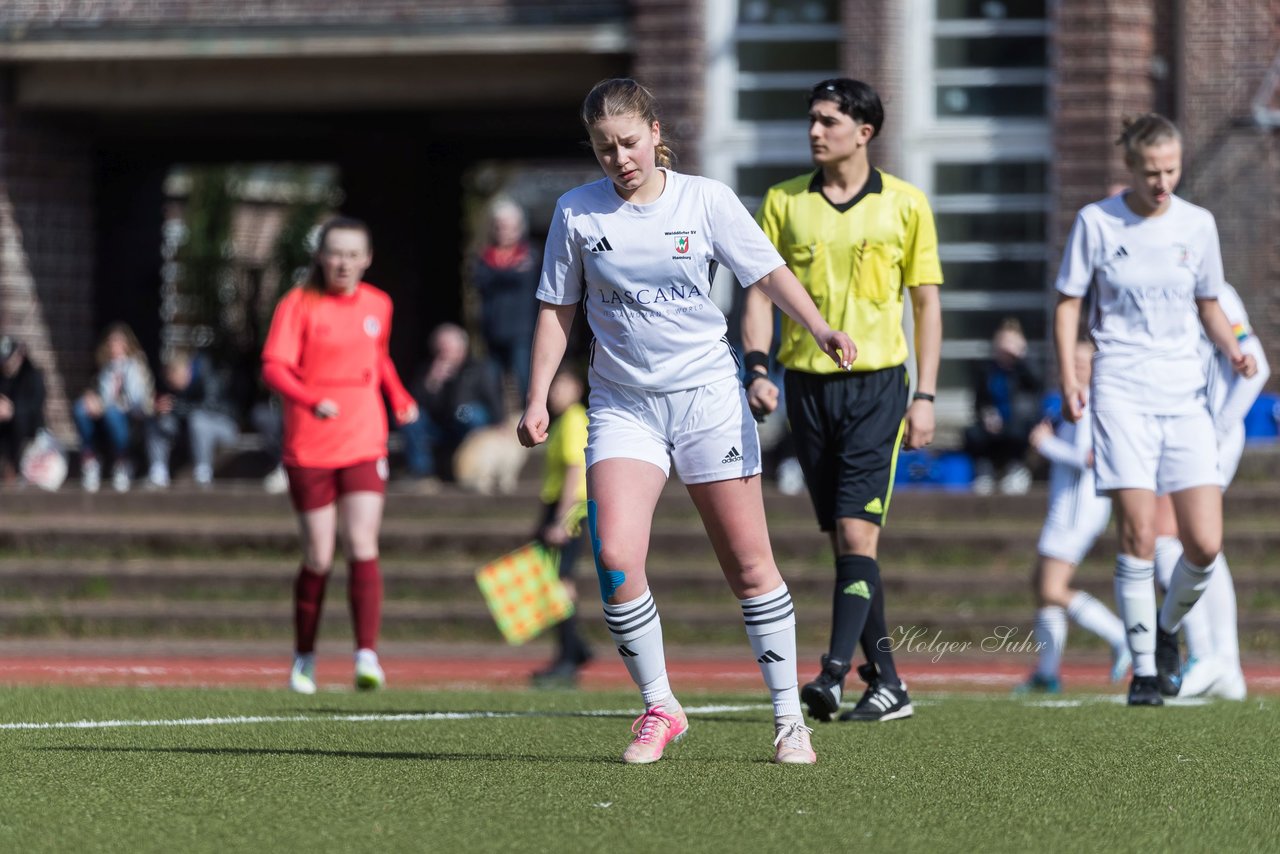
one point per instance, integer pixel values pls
(1145, 691)
(822, 695)
(880, 702)
(1168, 663)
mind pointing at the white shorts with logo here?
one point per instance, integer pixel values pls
(1077, 517)
(1161, 453)
(707, 432)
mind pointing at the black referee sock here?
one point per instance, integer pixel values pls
(857, 582)
(874, 632)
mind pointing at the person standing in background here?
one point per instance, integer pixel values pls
(505, 272)
(858, 239)
(326, 356)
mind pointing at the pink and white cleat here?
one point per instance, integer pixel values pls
(654, 730)
(794, 747)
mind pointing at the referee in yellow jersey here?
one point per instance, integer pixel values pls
(857, 238)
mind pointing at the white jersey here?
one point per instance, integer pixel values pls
(1148, 273)
(1077, 514)
(644, 273)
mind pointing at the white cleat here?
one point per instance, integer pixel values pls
(1199, 675)
(369, 675)
(1121, 661)
(1230, 686)
(302, 678)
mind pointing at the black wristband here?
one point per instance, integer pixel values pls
(756, 359)
(752, 376)
(920, 395)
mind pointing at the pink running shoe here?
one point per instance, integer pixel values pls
(654, 730)
(793, 744)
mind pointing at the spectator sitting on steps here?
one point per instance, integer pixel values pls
(193, 399)
(1006, 396)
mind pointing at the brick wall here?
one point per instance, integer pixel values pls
(872, 53)
(1102, 58)
(668, 56)
(1231, 166)
(82, 17)
(46, 253)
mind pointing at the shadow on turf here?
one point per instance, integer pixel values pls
(343, 754)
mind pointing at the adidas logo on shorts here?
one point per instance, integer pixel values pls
(732, 457)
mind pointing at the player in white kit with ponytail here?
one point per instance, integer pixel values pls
(1154, 263)
(639, 249)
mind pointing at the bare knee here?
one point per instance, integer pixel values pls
(1138, 538)
(755, 578)
(1202, 550)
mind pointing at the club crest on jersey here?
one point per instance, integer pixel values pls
(682, 244)
(372, 326)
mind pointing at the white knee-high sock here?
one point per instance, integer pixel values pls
(1136, 601)
(1219, 601)
(1050, 633)
(637, 633)
(1185, 589)
(770, 619)
(1168, 550)
(1091, 615)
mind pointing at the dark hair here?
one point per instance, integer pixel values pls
(315, 275)
(1143, 131)
(854, 98)
(622, 96)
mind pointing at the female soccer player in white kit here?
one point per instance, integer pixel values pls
(1155, 266)
(1077, 517)
(639, 248)
(1213, 644)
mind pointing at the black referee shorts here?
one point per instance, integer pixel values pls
(847, 430)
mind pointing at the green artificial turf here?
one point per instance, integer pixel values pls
(967, 773)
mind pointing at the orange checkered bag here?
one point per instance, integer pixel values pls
(524, 592)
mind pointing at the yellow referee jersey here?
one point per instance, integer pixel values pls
(855, 260)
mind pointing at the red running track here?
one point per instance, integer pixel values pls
(334, 672)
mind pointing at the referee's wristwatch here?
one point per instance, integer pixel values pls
(922, 395)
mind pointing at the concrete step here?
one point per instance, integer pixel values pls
(252, 578)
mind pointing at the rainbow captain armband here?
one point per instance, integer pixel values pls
(610, 579)
(1240, 330)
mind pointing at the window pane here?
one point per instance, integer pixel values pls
(995, 101)
(991, 10)
(773, 104)
(991, 227)
(991, 52)
(789, 11)
(994, 275)
(754, 180)
(982, 325)
(819, 57)
(1002, 177)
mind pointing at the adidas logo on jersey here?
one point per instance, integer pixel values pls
(770, 657)
(602, 246)
(1121, 253)
(859, 588)
(732, 457)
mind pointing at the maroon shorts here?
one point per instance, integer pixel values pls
(313, 488)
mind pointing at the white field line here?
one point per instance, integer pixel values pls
(366, 718)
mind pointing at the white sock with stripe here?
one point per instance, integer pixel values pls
(637, 633)
(1136, 601)
(1091, 615)
(1050, 633)
(1168, 550)
(771, 627)
(1185, 589)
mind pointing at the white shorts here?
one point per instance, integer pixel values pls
(1230, 450)
(1077, 517)
(708, 432)
(1161, 453)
